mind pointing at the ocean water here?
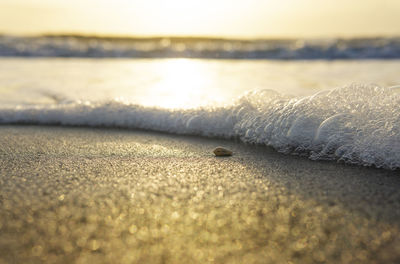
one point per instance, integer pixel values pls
(173, 47)
(323, 109)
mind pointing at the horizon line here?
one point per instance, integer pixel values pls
(193, 37)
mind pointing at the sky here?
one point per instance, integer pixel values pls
(217, 18)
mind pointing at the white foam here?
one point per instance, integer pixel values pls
(357, 124)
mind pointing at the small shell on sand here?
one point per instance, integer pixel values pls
(220, 151)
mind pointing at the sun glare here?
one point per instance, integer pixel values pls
(183, 84)
(221, 18)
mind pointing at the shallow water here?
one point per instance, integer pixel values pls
(177, 83)
(335, 110)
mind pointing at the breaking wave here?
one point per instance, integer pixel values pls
(356, 124)
(286, 49)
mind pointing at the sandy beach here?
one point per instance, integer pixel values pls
(80, 195)
(110, 113)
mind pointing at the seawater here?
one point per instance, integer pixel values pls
(195, 47)
(325, 110)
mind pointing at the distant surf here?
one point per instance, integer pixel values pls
(280, 49)
(355, 124)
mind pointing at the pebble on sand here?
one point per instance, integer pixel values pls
(220, 151)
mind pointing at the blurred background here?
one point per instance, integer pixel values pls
(217, 18)
(182, 54)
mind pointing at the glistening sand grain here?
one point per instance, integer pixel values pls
(118, 196)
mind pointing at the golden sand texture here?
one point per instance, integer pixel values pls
(75, 195)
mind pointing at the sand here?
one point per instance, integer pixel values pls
(81, 195)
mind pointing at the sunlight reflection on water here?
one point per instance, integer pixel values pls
(176, 83)
(183, 84)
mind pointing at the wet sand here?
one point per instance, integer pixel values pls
(80, 195)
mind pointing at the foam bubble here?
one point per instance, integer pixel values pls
(356, 124)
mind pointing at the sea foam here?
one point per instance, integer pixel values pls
(356, 124)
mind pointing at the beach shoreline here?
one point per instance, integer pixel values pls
(72, 194)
